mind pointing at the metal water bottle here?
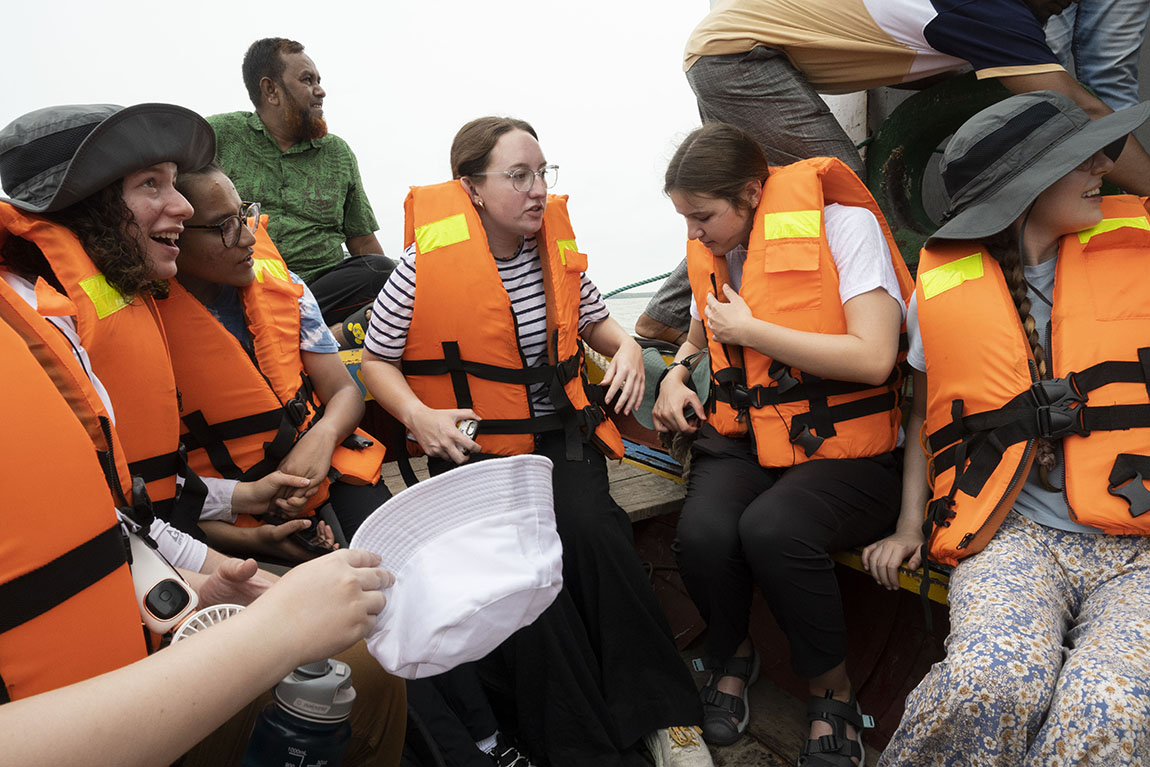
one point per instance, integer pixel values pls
(306, 725)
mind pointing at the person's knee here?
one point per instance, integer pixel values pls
(704, 535)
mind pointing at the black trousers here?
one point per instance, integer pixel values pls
(598, 669)
(455, 711)
(350, 285)
(353, 504)
(743, 525)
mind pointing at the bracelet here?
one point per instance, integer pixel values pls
(659, 383)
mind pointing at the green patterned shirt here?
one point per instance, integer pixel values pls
(312, 192)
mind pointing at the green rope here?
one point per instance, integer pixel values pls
(656, 278)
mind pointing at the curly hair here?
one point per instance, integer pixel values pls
(109, 233)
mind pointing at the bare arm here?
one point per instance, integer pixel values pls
(883, 558)
(624, 376)
(364, 245)
(193, 686)
(1132, 170)
(865, 353)
(435, 430)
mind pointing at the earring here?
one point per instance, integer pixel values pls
(479, 204)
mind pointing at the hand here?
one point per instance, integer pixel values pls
(324, 606)
(437, 434)
(310, 457)
(235, 581)
(285, 492)
(625, 377)
(674, 398)
(727, 321)
(882, 558)
(276, 541)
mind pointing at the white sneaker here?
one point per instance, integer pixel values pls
(678, 747)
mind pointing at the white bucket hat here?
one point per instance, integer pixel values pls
(476, 557)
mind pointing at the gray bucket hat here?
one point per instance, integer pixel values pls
(57, 156)
(653, 368)
(1001, 159)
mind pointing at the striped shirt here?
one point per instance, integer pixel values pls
(522, 277)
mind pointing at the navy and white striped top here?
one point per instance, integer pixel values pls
(522, 277)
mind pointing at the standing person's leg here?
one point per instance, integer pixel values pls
(1098, 714)
(788, 536)
(983, 704)
(1105, 39)
(725, 479)
(761, 92)
(453, 708)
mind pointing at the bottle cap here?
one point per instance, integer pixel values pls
(318, 692)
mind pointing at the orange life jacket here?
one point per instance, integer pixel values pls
(462, 350)
(129, 353)
(240, 419)
(67, 606)
(986, 406)
(790, 279)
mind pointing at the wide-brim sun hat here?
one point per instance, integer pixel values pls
(653, 368)
(1001, 159)
(54, 157)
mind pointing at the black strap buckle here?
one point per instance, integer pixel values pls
(805, 438)
(296, 409)
(1128, 483)
(781, 374)
(1057, 412)
(940, 511)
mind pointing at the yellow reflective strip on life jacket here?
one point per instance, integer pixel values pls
(441, 233)
(942, 278)
(1110, 224)
(791, 224)
(272, 267)
(106, 299)
(564, 246)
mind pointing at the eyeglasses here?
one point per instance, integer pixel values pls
(523, 179)
(231, 227)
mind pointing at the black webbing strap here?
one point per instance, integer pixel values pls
(524, 376)
(805, 426)
(768, 396)
(1128, 481)
(34, 593)
(156, 467)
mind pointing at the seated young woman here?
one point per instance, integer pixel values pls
(106, 241)
(483, 320)
(798, 294)
(262, 386)
(1030, 341)
(88, 184)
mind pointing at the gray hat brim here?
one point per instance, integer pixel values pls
(132, 138)
(653, 367)
(998, 209)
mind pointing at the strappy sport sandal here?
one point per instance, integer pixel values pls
(725, 716)
(837, 749)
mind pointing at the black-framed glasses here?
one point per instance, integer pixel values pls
(231, 227)
(522, 179)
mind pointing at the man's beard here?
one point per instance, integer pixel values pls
(300, 123)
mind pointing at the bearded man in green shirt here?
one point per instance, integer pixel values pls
(306, 179)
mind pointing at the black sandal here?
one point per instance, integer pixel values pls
(725, 716)
(837, 749)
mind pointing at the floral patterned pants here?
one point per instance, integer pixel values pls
(1048, 659)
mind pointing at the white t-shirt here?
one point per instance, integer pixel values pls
(858, 248)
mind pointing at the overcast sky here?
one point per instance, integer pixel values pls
(601, 82)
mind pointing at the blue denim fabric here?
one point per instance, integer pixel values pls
(1098, 41)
